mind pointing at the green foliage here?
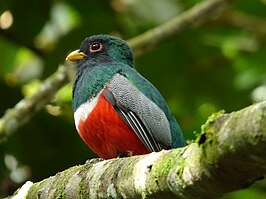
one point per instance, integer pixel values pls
(215, 66)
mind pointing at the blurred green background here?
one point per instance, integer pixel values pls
(220, 65)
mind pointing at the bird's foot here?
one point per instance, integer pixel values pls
(120, 154)
(93, 161)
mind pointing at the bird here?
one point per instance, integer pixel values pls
(117, 112)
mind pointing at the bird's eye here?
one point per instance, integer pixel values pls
(96, 47)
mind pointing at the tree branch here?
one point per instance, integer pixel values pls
(199, 14)
(26, 108)
(208, 168)
(245, 21)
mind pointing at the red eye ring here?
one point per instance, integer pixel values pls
(96, 46)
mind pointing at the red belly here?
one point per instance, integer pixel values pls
(107, 134)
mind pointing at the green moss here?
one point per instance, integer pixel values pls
(60, 185)
(82, 189)
(62, 180)
(207, 139)
(206, 134)
(172, 163)
(33, 192)
(83, 185)
(162, 168)
(60, 193)
(211, 119)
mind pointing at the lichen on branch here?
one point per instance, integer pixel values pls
(27, 107)
(205, 169)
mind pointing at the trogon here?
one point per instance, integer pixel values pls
(118, 112)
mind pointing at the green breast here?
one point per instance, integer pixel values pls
(90, 81)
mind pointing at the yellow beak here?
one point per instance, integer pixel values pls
(75, 55)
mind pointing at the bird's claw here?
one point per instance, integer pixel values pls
(93, 161)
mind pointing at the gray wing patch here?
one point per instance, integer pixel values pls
(143, 113)
(134, 122)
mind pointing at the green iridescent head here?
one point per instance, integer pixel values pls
(101, 49)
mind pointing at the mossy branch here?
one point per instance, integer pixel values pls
(205, 169)
(26, 108)
(197, 15)
(245, 21)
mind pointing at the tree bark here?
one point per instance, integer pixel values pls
(229, 154)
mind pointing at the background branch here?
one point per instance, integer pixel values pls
(27, 107)
(208, 168)
(245, 21)
(199, 14)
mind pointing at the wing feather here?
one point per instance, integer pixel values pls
(134, 122)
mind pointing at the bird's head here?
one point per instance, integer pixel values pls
(102, 48)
